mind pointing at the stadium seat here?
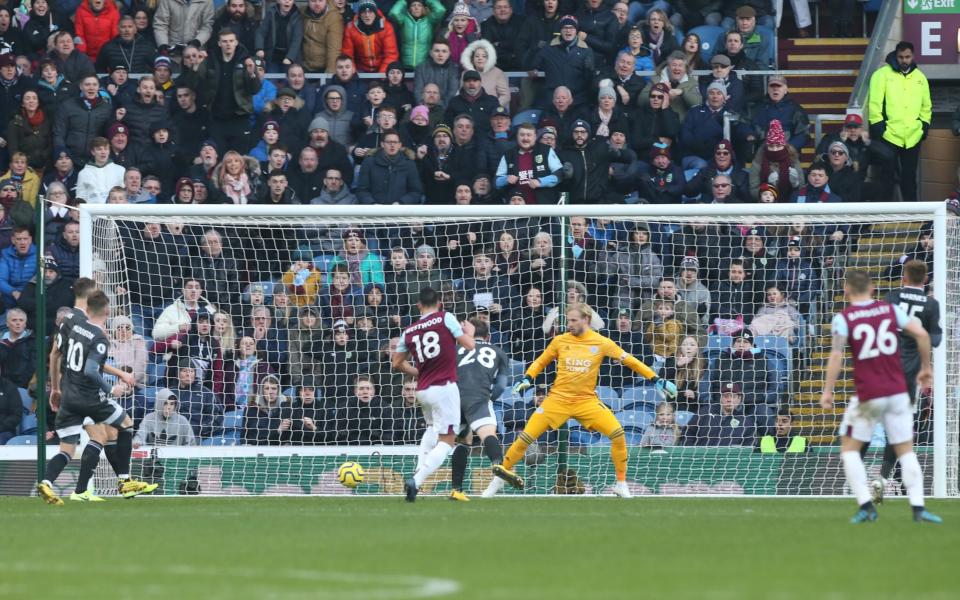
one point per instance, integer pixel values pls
(609, 396)
(777, 351)
(23, 440)
(227, 439)
(517, 368)
(710, 36)
(636, 421)
(716, 344)
(25, 399)
(527, 116)
(322, 262)
(639, 398)
(233, 420)
(28, 424)
(684, 417)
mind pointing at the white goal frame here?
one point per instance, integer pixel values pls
(932, 211)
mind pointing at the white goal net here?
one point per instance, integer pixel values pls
(261, 342)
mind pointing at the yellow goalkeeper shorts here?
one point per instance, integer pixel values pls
(592, 414)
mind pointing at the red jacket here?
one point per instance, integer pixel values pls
(96, 29)
(371, 53)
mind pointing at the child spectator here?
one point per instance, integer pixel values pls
(302, 280)
(685, 369)
(797, 276)
(341, 297)
(165, 426)
(663, 432)
(663, 334)
(264, 420)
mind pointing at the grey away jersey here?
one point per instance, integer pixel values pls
(477, 370)
(79, 340)
(916, 303)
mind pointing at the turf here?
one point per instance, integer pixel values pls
(550, 548)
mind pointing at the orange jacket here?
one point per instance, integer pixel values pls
(96, 29)
(371, 53)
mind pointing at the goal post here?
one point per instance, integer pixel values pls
(873, 236)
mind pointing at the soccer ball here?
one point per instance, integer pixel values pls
(350, 474)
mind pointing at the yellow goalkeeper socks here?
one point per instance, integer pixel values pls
(517, 450)
(618, 452)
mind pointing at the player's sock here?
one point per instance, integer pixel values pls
(88, 464)
(492, 449)
(432, 462)
(912, 478)
(863, 451)
(459, 464)
(55, 466)
(427, 443)
(889, 461)
(856, 475)
(110, 450)
(124, 450)
(618, 452)
(517, 449)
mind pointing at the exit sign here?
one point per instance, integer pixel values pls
(934, 28)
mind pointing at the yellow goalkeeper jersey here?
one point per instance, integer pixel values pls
(578, 364)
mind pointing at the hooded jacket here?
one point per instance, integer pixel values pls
(158, 430)
(446, 76)
(183, 21)
(95, 28)
(371, 48)
(492, 77)
(322, 39)
(177, 314)
(416, 35)
(508, 38)
(341, 122)
(899, 106)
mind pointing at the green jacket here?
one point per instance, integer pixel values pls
(371, 268)
(416, 35)
(901, 102)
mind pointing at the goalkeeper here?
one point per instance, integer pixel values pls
(578, 353)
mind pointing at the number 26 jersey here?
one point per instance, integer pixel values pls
(872, 330)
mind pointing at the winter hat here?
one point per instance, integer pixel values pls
(775, 135)
(49, 262)
(121, 320)
(460, 10)
(270, 126)
(838, 144)
(442, 128)
(420, 110)
(210, 143)
(8, 59)
(716, 85)
(658, 150)
(606, 92)
(319, 123)
(184, 182)
(766, 187)
(795, 242)
(162, 61)
(580, 123)
(426, 249)
(287, 91)
(545, 130)
(115, 128)
(569, 20)
(661, 87)
(724, 145)
(157, 126)
(397, 64)
(366, 5)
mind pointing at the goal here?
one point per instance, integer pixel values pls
(271, 329)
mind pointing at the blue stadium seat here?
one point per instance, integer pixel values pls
(28, 424)
(716, 344)
(25, 399)
(526, 116)
(23, 440)
(233, 420)
(517, 368)
(609, 396)
(776, 350)
(684, 417)
(227, 439)
(636, 421)
(639, 398)
(322, 262)
(710, 37)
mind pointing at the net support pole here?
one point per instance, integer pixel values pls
(86, 244)
(40, 327)
(563, 435)
(940, 357)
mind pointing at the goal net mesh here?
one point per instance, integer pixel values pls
(262, 346)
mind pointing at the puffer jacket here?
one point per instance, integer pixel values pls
(445, 76)
(899, 106)
(35, 142)
(15, 272)
(182, 21)
(266, 36)
(374, 50)
(416, 35)
(322, 40)
(78, 122)
(340, 122)
(244, 87)
(96, 28)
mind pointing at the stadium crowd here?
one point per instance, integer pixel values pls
(274, 335)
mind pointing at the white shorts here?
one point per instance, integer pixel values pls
(441, 407)
(894, 412)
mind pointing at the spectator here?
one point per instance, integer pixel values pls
(567, 61)
(279, 39)
(759, 261)
(641, 54)
(129, 49)
(779, 106)
(438, 69)
(728, 426)
(664, 330)
(608, 116)
(304, 178)
(272, 341)
(302, 279)
(684, 312)
(531, 166)
(398, 93)
(71, 62)
(230, 103)
(576, 294)
(485, 290)
(165, 426)
(748, 368)
(161, 156)
(797, 276)
(777, 316)
(506, 33)
(306, 344)
(191, 123)
(58, 291)
(122, 152)
(247, 369)
(776, 163)
(782, 438)
(322, 37)
(691, 290)
(65, 251)
(562, 113)
(659, 35)
(435, 162)
(817, 188)
(41, 24)
(683, 89)
(462, 29)
(752, 84)
(385, 119)
(340, 298)
(80, 120)
(856, 141)
(334, 191)
(589, 160)
(686, 368)
(665, 180)
(473, 101)
(724, 163)
(370, 40)
(18, 265)
(18, 349)
(539, 29)
(26, 179)
(238, 16)
(900, 111)
(480, 56)
(624, 81)
(426, 274)
(31, 133)
(340, 363)
(266, 419)
(287, 110)
(527, 339)
(217, 271)
(409, 424)
(639, 268)
(183, 22)
(692, 47)
(654, 122)
(364, 417)
(95, 23)
(128, 350)
(722, 71)
(53, 88)
(11, 410)
(64, 173)
(733, 300)
(308, 418)
(347, 78)
(144, 110)
(330, 154)
(339, 118)
(663, 432)
(177, 318)
(757, 45)
(389, 177)
(237, 178)
(415, 21)
(703, 128)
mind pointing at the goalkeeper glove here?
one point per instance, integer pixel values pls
(667, 388)
(523, 385)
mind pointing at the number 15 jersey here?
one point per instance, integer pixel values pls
(432, 342)
(872, 330)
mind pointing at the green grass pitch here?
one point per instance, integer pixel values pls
(530, 548)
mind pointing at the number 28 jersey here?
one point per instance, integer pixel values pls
(872, 331)
(432, 342)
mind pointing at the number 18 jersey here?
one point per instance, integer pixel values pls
(872, 331)
(432, 342)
